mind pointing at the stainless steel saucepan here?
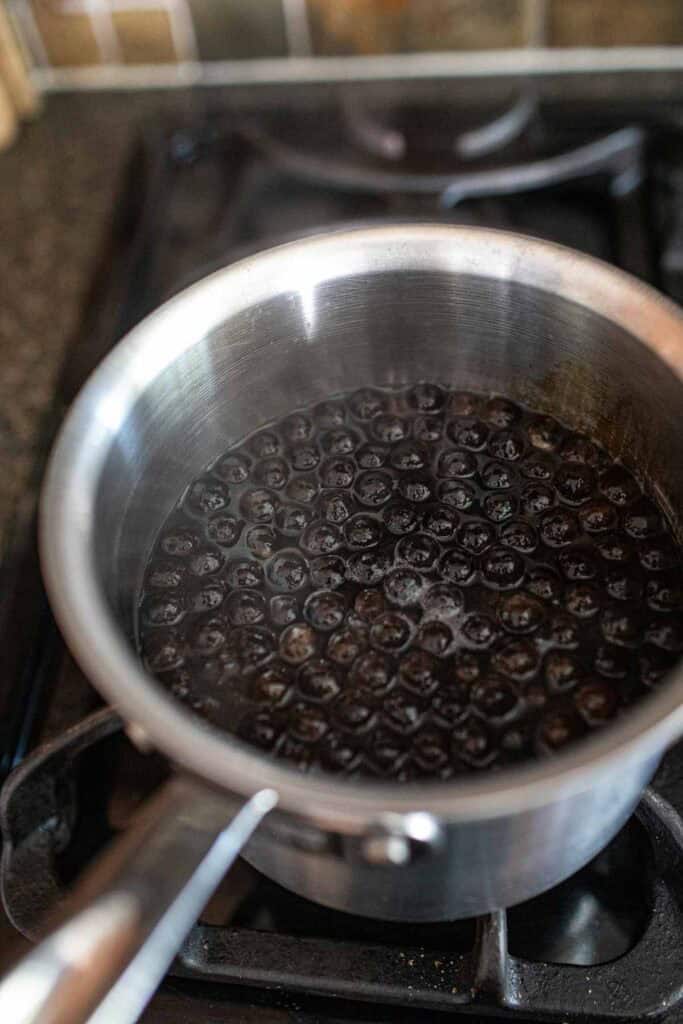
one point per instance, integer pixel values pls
(378, 306)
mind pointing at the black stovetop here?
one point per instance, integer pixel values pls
(605, 945)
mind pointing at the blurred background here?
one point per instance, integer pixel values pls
(48, 44)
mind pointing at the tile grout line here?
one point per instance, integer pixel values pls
(104, 29)
(24, 18)
(297, 28)
(183, 31)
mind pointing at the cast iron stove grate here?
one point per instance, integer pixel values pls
(619, 921)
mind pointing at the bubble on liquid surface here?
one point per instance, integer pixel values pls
(455, 463)
(475, 537)
(369, 604)
(298, 427)
(457, 566)
(259, 506)
(561, 670)
(418, 672)
(341, 441)
(225, 530)
(642, 521)
(264, 444)
(521, 613)
(577, 564)
(582, 600)
(435, 637)
(537, 498)
(441, 522)
(372, 673)
(412, 583)
(495, 699)
(428, 428)
(507, 445)
(366, 403)
(261, 541)
(164, 575)
(292, 520)
(304, 457)
(243, 572)
(179, 542)
(246, 607)
(545, 433)
(443, 601)
(234, 468)
(327, 572)
(401, 518)
(409, 455)
(502, 568)
(598, 516)
(403, 587)
(619, 486)
(163, 609)
(284, 609)
(545, 583)
(457, 493)
(496, 476)
(287, 570)
(468, 432)
(297, 643)
(344, 646)
(479, 630)
(325, 609)
(207, 598)
(417, 550)
(367, 567)
(374, 488)
(596, 701)
(163, 651)
(207, 496)
(575, 483)
(390, 631)
(272, 473)
(390, 429)
(416, 488)
(372, 456)
(317, 681)
(558, 528)
(272, 686)
(517, 659)
(426, 397)
(321, 538)
(362, 531)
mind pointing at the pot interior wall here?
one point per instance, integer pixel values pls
(472, 332)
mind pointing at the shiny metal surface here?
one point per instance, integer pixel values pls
(485, 309)
(141, 899)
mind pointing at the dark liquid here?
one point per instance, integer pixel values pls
(414, 583)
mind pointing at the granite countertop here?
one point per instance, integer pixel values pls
(58, 185)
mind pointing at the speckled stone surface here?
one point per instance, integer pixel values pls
(58, 185)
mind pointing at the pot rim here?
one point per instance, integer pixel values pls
(68, 502)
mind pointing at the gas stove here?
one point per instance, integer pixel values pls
(606, 945)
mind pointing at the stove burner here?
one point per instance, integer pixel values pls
(517, 151)
(388, 134)
(255, 934)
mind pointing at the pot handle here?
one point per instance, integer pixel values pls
(133, 909)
